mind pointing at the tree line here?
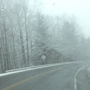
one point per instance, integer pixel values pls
(26, 34)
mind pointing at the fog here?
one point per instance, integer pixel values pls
(78, 8)
(36, 33)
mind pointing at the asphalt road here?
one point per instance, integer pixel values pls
(63, 77)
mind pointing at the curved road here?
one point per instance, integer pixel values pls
(63, 77)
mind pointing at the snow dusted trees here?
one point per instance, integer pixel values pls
(41, 34)
(17, 33)
(69, 41)
(26, 34)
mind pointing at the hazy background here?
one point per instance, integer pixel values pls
(77, 8)
(57, 30)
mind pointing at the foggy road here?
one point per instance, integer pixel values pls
(52, 78)
(44, 45)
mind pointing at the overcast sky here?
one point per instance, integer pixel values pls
(78, 8)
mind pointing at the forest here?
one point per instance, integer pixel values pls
(26, 34)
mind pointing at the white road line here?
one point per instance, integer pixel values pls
(88, 71)
(75, 80)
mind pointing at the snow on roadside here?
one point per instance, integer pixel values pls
(35, 67)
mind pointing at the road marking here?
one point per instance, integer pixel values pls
(28, 79)
(75, 80)
(88, 71)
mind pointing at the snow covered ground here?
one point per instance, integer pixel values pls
(33, 68)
